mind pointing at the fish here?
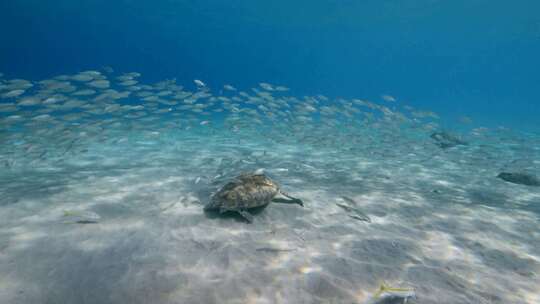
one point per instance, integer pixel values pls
(520, 178)
(128, 83)
(229, 87)
(29, 101)
(100, 84)
(133, 74)
(84, 92)
(83, 77)
(199, 83)
(446, 140)
(92, 73)
(86, 222)
(266, 86)
(42, 117)
(387, 294)
(270, 249)
(388, 98)
(13, 93)
(80, 217)
(356, 213)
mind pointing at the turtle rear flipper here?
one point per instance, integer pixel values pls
(246, 215)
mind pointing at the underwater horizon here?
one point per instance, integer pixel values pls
(269, 152)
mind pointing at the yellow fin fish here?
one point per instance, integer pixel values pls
(405, 292)
(82, 215)
(69, 213)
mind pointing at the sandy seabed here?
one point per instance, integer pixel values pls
(441, 223)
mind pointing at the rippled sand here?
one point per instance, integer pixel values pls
(441, 223)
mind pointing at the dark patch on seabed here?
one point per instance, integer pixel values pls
(104, 179)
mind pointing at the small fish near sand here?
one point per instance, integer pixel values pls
(446, 140)
(390, 295)
(274, 250)
(248, 191)
(86, 222)
(353, 212)
(80, 217)
(520, 178)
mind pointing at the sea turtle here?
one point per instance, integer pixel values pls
(248, 191)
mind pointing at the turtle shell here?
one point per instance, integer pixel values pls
(244, 192)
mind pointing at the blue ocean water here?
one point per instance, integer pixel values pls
(462, 58)
(179, 152)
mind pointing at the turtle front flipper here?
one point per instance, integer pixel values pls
(246, 215)
(289, 200)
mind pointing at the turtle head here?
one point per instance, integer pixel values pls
(210, 206)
